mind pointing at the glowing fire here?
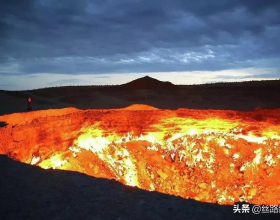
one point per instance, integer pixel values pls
(212, 166)
(204, 157)
(54, 162)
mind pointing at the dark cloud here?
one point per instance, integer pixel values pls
(83, 36)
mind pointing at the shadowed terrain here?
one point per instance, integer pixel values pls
(149, 91)
(29, 192)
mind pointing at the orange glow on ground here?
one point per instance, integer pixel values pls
(212, 156)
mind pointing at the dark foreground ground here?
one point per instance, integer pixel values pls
(29, 192)
(227, 96)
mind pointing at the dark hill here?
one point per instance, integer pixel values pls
(148, 83)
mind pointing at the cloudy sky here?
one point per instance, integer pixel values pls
(45, 43)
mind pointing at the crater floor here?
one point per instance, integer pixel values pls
(214, 156)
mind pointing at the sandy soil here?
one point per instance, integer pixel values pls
(29, 192)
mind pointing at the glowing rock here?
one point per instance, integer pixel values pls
(162, 174)
(203, 185)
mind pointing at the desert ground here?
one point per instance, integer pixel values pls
(30, 192)
(146, 90)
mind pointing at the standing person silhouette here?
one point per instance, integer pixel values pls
(29, 108)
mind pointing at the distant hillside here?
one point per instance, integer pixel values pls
(148, 83)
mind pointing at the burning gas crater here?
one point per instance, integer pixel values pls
(207, 158)
(211, 166)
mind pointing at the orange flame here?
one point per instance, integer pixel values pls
(212, 156)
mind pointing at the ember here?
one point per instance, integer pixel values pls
(212, 156)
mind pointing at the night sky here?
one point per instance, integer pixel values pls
(45, 43)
